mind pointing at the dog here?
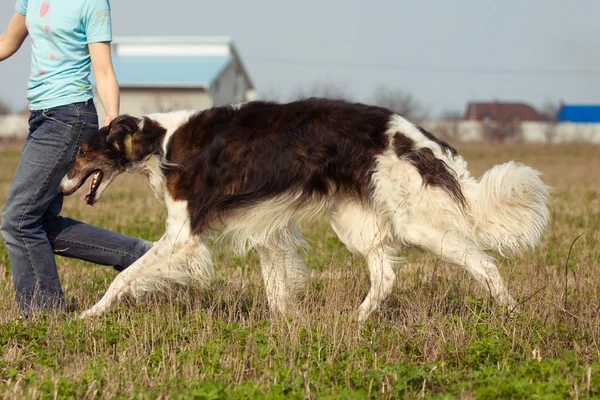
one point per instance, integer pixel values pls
(249, 172)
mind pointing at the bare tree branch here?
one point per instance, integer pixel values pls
(451, 115)
(401, 102)
(270, 94)
(4, 109)
(550, 110)
(328, 90)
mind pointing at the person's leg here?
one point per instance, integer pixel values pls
(45, 154)
(75, 239)
(31, 225)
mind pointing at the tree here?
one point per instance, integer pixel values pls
(502, 131)
(4, 109)
(270, 94)
(328, 90)
(449, 128)
(451, 115)
(400, 102)
(550, 110)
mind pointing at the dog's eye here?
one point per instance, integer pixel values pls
(81, 153)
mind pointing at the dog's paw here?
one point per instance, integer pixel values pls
(92, 312)
(85, 314)
(363, 314)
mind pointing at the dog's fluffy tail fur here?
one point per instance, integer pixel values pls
(509, 208)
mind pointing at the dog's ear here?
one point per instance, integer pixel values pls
(120, 131)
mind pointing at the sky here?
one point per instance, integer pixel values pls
(444, 52)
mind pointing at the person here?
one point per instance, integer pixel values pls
(69, 39)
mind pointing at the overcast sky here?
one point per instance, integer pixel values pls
(444, 52)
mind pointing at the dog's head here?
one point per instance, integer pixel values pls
(106, 154)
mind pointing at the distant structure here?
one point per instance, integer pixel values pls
(496, 111)
(579, 113)
(158, 74)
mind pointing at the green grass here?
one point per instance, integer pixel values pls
(438, 336)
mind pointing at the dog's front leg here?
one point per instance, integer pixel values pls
(122, 283)
(177, 245)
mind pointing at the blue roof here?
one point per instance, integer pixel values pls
(579, 113)
(158, 71)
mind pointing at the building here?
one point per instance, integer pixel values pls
(496, 111)
(579, 113)
(13, 126)
(158, 74)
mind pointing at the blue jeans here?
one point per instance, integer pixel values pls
(32, 227)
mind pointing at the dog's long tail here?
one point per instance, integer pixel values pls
(509, 206)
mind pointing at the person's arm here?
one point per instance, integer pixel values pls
(106, 80)
(13, 37)
(98, 30)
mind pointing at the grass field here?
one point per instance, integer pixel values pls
(439, 335)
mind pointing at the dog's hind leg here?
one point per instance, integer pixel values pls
(284, 272)
(359, 228)
(456, 249)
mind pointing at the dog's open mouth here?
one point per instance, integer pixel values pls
(90, 194)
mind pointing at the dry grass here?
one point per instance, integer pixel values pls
(439, 335)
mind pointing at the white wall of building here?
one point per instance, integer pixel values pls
(530, 132)
(13, 126)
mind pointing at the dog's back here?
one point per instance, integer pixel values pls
(234, 158)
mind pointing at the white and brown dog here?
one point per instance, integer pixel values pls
(250, 172)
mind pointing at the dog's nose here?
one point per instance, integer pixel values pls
(60, 189)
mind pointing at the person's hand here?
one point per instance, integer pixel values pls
(108, 120)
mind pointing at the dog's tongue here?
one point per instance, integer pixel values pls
(89, 191)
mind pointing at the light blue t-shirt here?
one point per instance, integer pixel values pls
(60, 31)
